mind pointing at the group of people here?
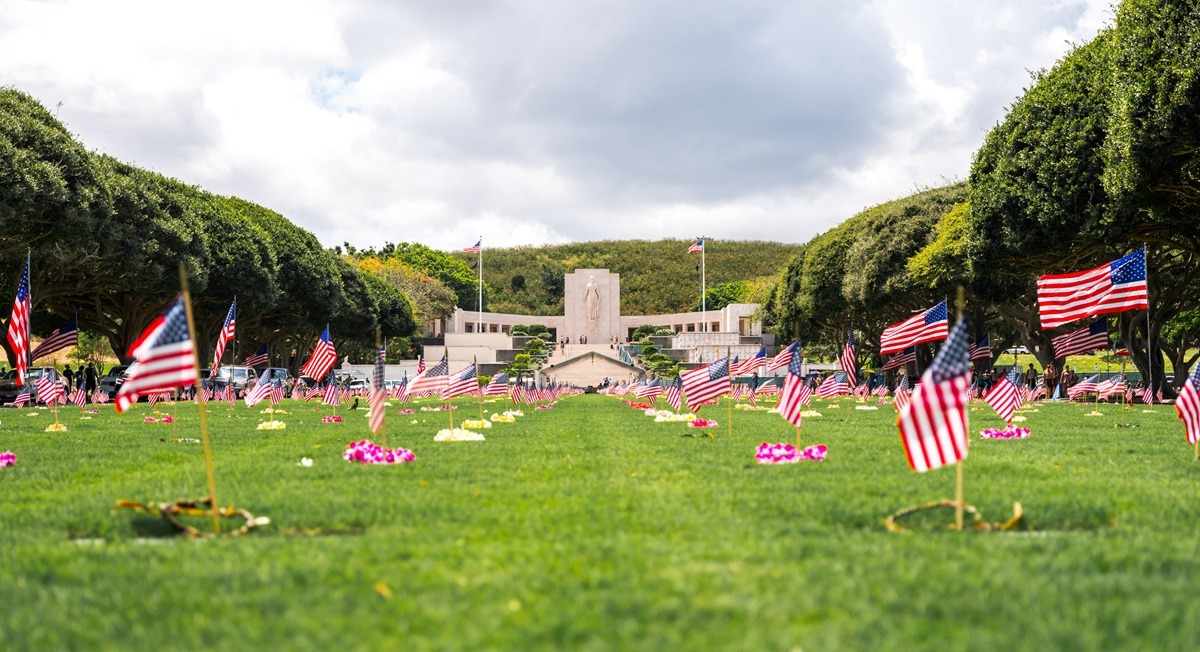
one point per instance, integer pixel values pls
(83, 378)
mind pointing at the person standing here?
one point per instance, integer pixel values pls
(68, 378)
(1031, 377)
(81, 379)
(90, 375)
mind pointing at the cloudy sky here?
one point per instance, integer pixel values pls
(541, 122)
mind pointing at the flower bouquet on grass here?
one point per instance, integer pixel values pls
(368, 452)
(703, 423)
(666, 415)
(751, 408)
(641, 406)
(8, 458)
(476, 423)
(457, 434)
(408, 411)
(1009, 432)
(332, 418)
(788, 454)
(546, 406)
(513, 413)
(503, 418)
(808, 414)
(272, 425)
(56, 427)
(865, 407)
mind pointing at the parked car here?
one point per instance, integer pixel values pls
(279, 373)
(233, 375)
(110, 383)
(8, 383)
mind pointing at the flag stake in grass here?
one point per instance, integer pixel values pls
(475, 362)
(960, 303)
(729, 415)
(378, 404)
(208, 460)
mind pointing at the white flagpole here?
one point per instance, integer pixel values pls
(703, 287)
(479, 318)
(1149, 354)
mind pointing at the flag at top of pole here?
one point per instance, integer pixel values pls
(475, 248)
(698, 246)
(226, 335)
(322, 358)
(933, 426)
(18, 326)
(1112, 287)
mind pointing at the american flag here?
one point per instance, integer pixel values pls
(928, 326)
(1148, 394)
(861, 390)
(1089, 338)
(675, 393)
(784, 357)
(769, 386)
(226, 335)
(152, 398)
(1113, 287)
(757, 361)
(378, 394)
(737, 392)
(1040, 389)
(796, 394)
(333, 395)
(902, 358)
(205, 396)
(903, 395)
(1188, 405)
(498, 386)
(520, 394)
(261, 390)
(1005, 395)
(230, 395)
(981, 350)
(420, 364)
(1111, 386)
(475, 248)
(431, 380)
(1085, 386)
(48, 390)
(18, 327)
(62, 337)
(166, 358)
(463, 382)
(276, 394)
(933, 426)
(834, 385)
(22, 398)
(849, 367)
(402, 390)
(322, 358)
(698, 246)
(881, 391)
(79, 397)
(651, 389)
(705, 383)
(258, 358)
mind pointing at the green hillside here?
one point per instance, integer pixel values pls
(657, 276)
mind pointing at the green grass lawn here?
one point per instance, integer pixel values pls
(589, 527)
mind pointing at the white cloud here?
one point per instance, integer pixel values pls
(534, 122)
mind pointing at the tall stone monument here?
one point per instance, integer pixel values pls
(592, 305)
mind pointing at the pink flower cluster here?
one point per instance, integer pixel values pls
(640, 406)
(546, 406)
(368, 452)
(333, 418)
(407, 411)
(702, 423)
(166, 419)
(788, 454)
(8, 458)
(1010, 432)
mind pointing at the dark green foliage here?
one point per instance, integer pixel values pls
(657, 277)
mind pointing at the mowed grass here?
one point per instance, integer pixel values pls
(589, 527)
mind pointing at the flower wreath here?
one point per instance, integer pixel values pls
(171, 512)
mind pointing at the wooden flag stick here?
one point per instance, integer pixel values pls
(208, 460)
(961, 304)
(797, 436)
(729, 415)
(475, 363)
